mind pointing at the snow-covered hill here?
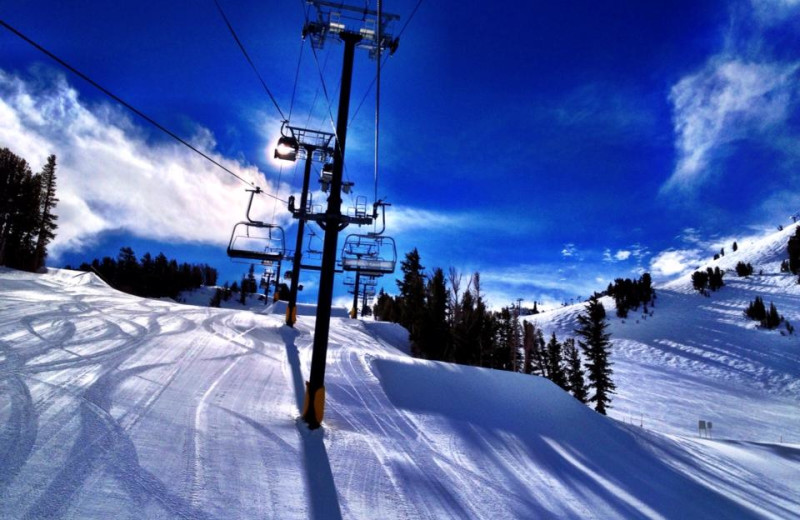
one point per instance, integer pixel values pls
(699, 358)
(113, 406)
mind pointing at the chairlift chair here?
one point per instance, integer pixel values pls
(256, 241)
(371, 255)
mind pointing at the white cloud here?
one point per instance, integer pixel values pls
(769, 12)
(674, 262)
(111, 178)
(569, 251)
(622, 255)
(729, 99)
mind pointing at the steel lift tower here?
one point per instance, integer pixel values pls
(354, 27)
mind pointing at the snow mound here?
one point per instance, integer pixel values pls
(68, 277)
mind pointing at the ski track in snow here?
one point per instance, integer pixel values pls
(113, 406)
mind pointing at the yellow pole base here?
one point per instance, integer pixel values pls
(314, 407)
(291, 316)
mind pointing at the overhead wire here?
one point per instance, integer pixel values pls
(128, 105)
(250, 61)
(377, 100)
(383, 63)
(328, 100)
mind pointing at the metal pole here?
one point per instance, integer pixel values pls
(291, 312)
(355, 295)
(314, 405)
(277, 279)
(364, 302)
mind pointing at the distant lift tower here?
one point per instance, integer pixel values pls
(313, 144)
(355, 27)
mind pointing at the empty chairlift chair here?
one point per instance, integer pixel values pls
(370, 255)
(256, 241)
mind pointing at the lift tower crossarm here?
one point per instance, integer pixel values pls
(341, 7)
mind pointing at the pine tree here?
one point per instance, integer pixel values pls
(243, 291)
(772, 319)
(700, 281)
(20, 192)
(595, 342)
(412, 294)
(47, 220)
(540, 353)
(794, 252)
(555, 361)
(575, 373)
(216, 300)
(528, 345)
(735, 247)
(435, 334)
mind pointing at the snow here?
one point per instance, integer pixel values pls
(699, 358)
(113, 406)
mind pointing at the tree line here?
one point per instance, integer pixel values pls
(448, 320)
(629, 294)
(150, 277)
(27, 201)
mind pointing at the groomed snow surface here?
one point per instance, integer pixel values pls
(113, 406)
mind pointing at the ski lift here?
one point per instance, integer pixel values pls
(360, 208)
(372, 255)
(254, 240)
(311, 251)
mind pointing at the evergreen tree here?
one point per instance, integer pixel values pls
(412, 294)
(20, 218)
(243, 291)
(506, 341)
(575, 373)
(735, 247)
(715, 281)
(127, 271)
(772, 319)
(555, 361)
(700, 281)
(528, 340)
(540, 354)
(216, 300)
(47, 220)
(595, 342)
(794, 252)
(744, 269)
(435, 333)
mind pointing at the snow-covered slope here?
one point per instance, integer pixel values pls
(113, 406)
(698, 358)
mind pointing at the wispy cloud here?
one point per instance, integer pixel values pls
(112, 177)
(569, 251)
(740, 93)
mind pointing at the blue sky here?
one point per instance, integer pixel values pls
(550, 146)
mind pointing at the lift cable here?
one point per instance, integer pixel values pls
(250, 61)
(377, 101)
(128, 105)
(327, 97)
(296, 77)
(383, 64)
